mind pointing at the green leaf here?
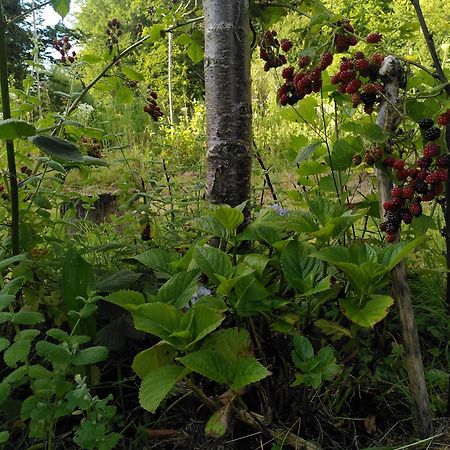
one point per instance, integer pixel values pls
(4, 436)
(306, 152)
(204, 321)
(393, 254)
(156, 32)
(217, 424)
(247, 371)
(58, 148)
(157, 384)
(62, 7)
(158, 260)
(12, 260)
(27, 318)
(117, 281)
(209, 363)
(229, 217)
(91, 58)
(56, 354)
(6, 300)
(132, 74)
(159, 319)
(5, 389)
(14, 129)
(231, 343)
(371, 313)
(4, 344)
(159, 355)
(91, 355)
(342, 155)
(20, 349)
(125, 298)
(180, 289)
(195, 52)
(213, 261)
(303, 350)
(332, 328)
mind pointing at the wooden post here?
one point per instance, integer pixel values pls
(387, 119)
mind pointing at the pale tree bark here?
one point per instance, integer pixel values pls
(228, 101)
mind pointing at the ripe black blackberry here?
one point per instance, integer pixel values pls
(368, 99)
(421, 187)
(431, 134)
(391, 228)
(426, 123)
(443, 161)
(394, 218)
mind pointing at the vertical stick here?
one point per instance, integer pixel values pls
(6, 107)
(170, 79)
(392, 72)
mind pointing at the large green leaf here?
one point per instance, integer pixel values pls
(393, 254)
(306, 152)
(195, 52)
(56, 354)
(247, 371)
(299, 268)
(209, 363)
(211, 226)
(200, 321)
(27, 318)
(62, 7)
(14, 129)
(213, 261)
(157, 384)
(179, 289)
(91, 355)
(303, 350)
(229, 217)
(158, 259)
(57, 148)
(125, 298)
(371, 313)
(20, 349)
(159, 319)
(232, 343)
(159, 355)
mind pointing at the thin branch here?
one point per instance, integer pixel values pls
(28, 11)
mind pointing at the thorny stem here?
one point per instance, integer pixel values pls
(6, 107)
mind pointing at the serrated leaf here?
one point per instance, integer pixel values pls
(160, 355)
(56, 354)
(121, 279)
(158, 259)
(91, 355)
(125, 298)
(62, 7)
(27, 318)
(180, 289)
(157, 384)
(393, 254)
(213, 261)
(303, 350)
(371, 313)
(20, 349)
(247, 371)
(209, 363)
(229, 217)
(15, 128)
(58, 148)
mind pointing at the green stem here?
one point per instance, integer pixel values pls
(6, 107)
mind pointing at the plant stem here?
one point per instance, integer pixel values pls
(28, 11)
(6, 107)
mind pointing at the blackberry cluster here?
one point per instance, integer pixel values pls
(152, 108)
(344, 38)
(415, 184)
(113, 32)
(444, 118)
(26, 170)
(358, 76)
(63, 46)
(270, 50)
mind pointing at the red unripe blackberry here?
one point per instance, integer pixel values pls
(352, 40)
(415, 209)
(373, 38)
(422, 174)
(444, 118)
(353, 86)
(356, 99)
(340, 41)
(378, 153)
(288, 73)
(383, 226)
(2, 188)
(390, 237)
(443, 161)
(437, 189)
(346, 64)
(263, 54)
(356, 160)
(378, 59)
(428, 197)
(397, 202)
(282, 60)
(342, 88)
(426, 123)
(286, 45)
(442, 175)
(408, 192)
(398, 164)
(389, 161)
(348, 27)
(317, 85)
(433, 177)
(402, 174)
(362, 65)
(389, 205)
(347, 75)
(430, 150)
(283, 99)
(396, 191)
(358, 55)
(326, 60)
(370, 88)
(335, 78)
(304, 61)
(369, 159)
(315, 74)
(413, 171)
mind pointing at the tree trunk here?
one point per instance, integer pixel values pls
(228, 101)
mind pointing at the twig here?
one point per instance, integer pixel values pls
(266, 172)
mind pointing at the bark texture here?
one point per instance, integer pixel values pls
(228, 101)
(388, 119)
